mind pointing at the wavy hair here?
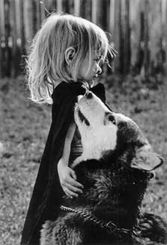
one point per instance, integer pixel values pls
(46, 64)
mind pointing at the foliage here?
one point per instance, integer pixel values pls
(24, 130)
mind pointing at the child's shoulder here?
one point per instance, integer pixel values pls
(71, 88)
(66, 90)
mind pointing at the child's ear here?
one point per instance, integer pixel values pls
(69, 54)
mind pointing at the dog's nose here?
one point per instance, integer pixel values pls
(89, 95)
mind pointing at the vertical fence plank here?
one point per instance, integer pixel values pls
(85, 10)
(42, 12)
(28, 22)
(88, 10)
(125, 36)
(94, 10)
(140, 41)
(2, 17)
(103, 14)
(77, 6)
(145, 69)
(68, 6)
(7, 50)
(2, 34)
(117, 34)
(166, 40)
(155, 34)
(160, 42)
(18, 36)
(111, 25)
(135, 29)
(18, 21)
(165, 37)
(59, 5)
(36, 15)
(13, 37)
(111, 16)
(22, 28)
(0, 54)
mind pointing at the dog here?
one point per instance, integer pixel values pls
(115, 167)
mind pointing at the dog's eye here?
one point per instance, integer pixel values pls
(111, 118)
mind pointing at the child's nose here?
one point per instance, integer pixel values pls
(99, 70)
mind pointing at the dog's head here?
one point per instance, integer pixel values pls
(103, 131)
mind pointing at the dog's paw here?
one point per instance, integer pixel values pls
(153, 227)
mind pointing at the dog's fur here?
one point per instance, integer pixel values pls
(115, 168)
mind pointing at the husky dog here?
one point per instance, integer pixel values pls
(115, 167)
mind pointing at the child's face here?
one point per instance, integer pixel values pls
(90, 67)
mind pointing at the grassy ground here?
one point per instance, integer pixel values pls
(23, 131)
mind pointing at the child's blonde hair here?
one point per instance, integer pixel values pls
(46, 64)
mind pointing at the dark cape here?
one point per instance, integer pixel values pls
(47, 193)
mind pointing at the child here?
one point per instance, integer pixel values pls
(65, 57)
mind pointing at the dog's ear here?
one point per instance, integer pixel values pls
(146, 159)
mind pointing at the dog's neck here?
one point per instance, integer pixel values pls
(116, 195)
(96, 152)
(88, 155)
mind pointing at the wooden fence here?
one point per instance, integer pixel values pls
(138, 28)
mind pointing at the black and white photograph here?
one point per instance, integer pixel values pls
(83, 122)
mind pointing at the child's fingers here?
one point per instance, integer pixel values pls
(69, 193)
(73, 188)
(75, 183)
(73, 174)
(70, 186)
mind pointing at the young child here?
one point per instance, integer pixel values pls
(65, 58)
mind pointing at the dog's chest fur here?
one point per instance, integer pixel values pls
(111, 192)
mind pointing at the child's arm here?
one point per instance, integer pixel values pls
(67, 176)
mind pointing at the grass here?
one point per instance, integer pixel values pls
(23, 133)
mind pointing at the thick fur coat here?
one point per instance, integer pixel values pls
(115, 168)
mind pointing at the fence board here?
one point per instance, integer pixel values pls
(2, 33)
(59, 5)
(111, 16)
(28, 22)
(2, 18)
(7, 50)
(77, 7)
(135, 29)
(117, 34)
(165, 34)
(126, 36)
(94, 11)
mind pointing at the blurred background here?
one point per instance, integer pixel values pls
(136, 86)
(138, 30)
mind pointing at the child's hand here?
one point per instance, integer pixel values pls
(68, 182)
